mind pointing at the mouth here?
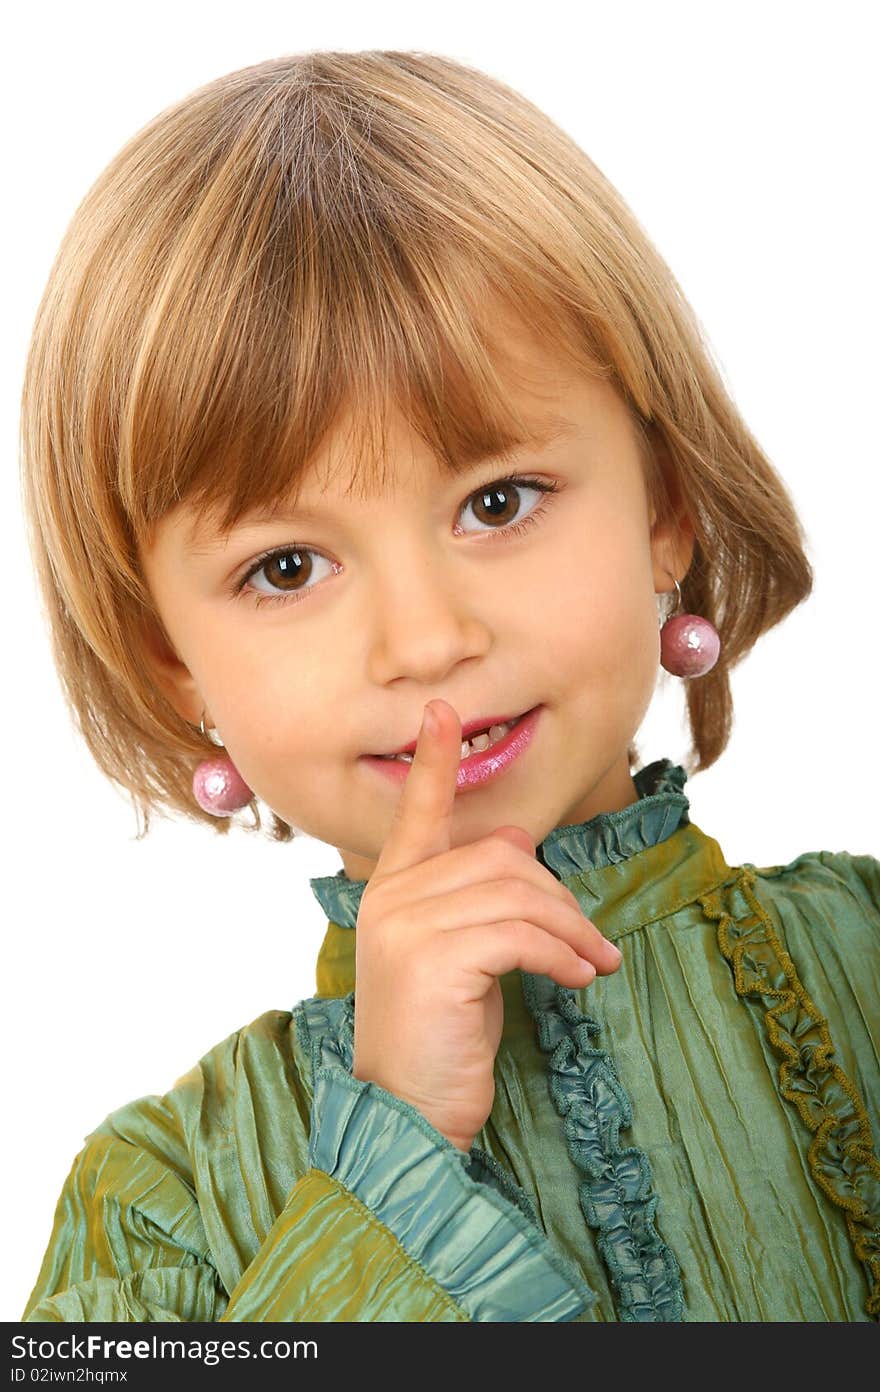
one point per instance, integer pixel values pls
(477, 736)
(477, 766)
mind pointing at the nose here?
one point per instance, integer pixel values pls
(424, 621)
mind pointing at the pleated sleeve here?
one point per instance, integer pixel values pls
(253, 1192)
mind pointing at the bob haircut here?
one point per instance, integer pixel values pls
(317, 234)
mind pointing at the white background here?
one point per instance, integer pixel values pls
(744, 137)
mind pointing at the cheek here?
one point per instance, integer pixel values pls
(275, 709)
(608, 617)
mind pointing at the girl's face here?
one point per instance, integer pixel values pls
(423, 591)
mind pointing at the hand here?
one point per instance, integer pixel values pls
(437, 927)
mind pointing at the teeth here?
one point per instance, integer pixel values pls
(476, 744)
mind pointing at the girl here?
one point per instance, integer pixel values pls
(363, 424)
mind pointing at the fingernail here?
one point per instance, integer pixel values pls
(429, 721)
(618, 955)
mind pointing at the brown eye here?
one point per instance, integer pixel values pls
(288, 573)
(289, 570)
(498, 503)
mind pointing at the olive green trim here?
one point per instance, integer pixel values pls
(841, 1156)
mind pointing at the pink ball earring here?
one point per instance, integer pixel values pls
(689, 644)
(218, 787)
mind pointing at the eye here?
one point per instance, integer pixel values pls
(290, 568)
(499, 499)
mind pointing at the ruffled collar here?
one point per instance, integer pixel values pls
(607, 839)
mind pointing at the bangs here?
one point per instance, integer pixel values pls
(229, 427)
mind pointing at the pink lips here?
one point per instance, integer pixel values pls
(478, 768)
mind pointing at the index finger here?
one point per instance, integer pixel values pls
(422, 824)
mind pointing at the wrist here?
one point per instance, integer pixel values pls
(371, 1075)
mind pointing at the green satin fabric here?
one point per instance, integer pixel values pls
(743, 1028)
(758, 1232)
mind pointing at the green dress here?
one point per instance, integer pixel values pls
(690, 1139)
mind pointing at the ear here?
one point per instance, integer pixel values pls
(170, 674)
(672, 550)
(672, 534)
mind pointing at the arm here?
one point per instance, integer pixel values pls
(127, 1243)
(388, 1222)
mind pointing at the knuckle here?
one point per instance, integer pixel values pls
(521, 930)
(382, 897)
(380, 929)
(503, 855)
(518, 895)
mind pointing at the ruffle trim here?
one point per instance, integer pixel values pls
(326, 1029)
(339, 897)
(612, 837)
(616, 1197)
(450, 1212)
(841, 1156)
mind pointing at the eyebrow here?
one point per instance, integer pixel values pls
(553, 429)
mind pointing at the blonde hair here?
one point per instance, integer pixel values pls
(319, 232)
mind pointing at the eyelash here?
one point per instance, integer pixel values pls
(505, 533)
